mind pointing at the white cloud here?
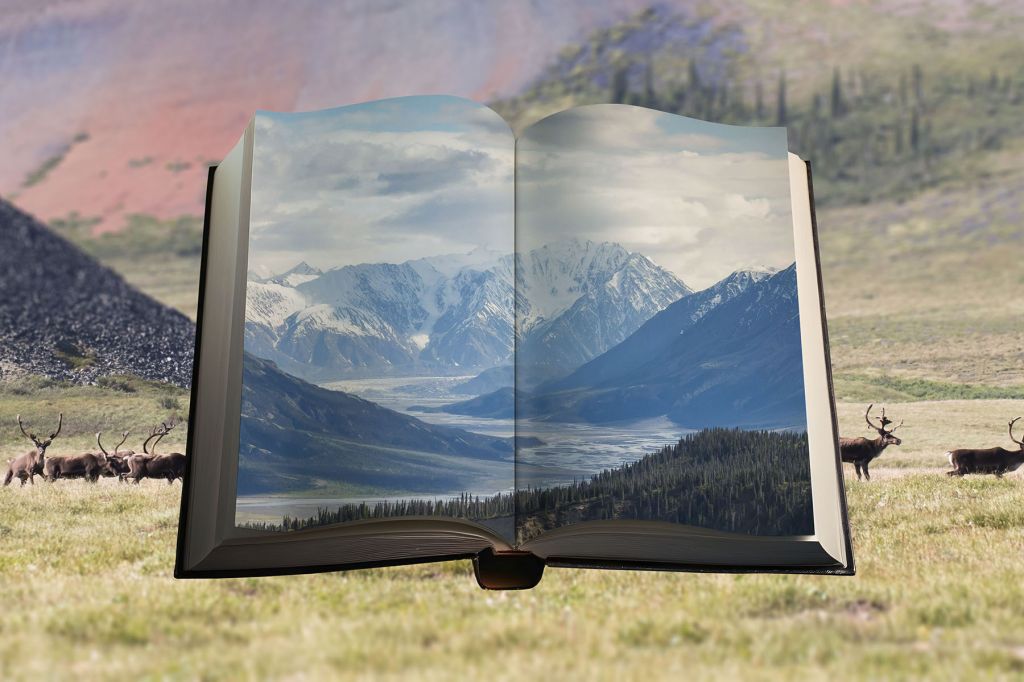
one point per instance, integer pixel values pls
(623, 174)
(381, 182)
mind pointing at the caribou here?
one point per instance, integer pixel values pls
(996, 461)
(117, 462)
(861, 451)
(87, 465)
(151, 465)
(32, 463)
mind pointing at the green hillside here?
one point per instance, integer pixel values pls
(914, 127)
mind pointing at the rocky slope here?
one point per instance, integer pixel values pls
(64, 315)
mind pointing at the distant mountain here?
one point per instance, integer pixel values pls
(737, 364)
(499, 404)
(487, 381)
(295, 435)
(658, 334)
(435, 314)
(64, 315)
(453, 314)
(300, 274)
(577, 299)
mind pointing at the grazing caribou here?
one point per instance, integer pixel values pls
(87, 465)
(860, 451)
(117, 462)
(151, 465)
(996, 461)
(32, 463)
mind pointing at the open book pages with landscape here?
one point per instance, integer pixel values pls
(602, 343)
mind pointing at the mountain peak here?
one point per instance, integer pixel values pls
(299, 274)
(302, 268)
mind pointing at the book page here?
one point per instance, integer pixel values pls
(379, 283)
(659, 370)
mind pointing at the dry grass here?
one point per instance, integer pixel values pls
(89, 594)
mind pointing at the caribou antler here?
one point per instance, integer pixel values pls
(165, 428)
(896, 427)
(158, 432)
(60, 423)
(30, 436)
(124, 437)
(1018, 442)
(867, 418)
(100, 444)
(155, 432)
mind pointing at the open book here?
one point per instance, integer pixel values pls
(599, 344)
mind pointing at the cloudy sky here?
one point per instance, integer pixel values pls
(385, 181)
(700, 199)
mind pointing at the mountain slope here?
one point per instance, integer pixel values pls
(658, 333)
(487, 381)
(295, 434)
(738, 365)
(64, 315)
(581, 299)
(499, 404)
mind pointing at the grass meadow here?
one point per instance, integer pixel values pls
(88, 592)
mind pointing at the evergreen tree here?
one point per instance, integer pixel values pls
(780, 113)
(620, 84)
(917, 76)
(838, 106)
(915, 133)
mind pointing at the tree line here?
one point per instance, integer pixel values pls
(755, 482)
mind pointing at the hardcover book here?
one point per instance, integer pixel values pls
(600, 344)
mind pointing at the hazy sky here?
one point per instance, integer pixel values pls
(385, 181)
(404, 178)
(700, 199)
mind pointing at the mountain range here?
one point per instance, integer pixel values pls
(454, 314)
(727, 356)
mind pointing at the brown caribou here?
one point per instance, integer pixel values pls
(996, 461)
(32, 463)
(860, 451)
(87, 465)
(151, 465)
(117, 462)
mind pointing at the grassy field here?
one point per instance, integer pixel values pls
(122, 403)
(89, 593)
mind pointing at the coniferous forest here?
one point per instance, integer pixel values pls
(754, 482)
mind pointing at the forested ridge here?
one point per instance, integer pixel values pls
(755, 482)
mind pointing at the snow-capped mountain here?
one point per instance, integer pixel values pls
(656, 335)
(454, 313)
(577, 299)
(300, 274)
(737, 363)
(381, 318)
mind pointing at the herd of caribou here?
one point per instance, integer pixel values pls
(130, 465)
(125, 466)
(862, 451)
